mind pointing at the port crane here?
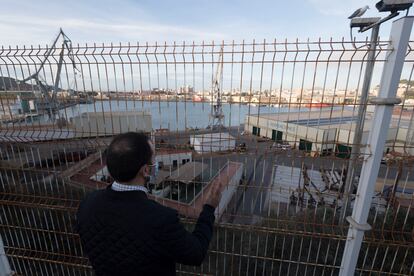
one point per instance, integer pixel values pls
(217, 115)
(50, 104)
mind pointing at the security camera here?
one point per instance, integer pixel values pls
(393, 5)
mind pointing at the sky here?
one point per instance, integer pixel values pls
(27, 22)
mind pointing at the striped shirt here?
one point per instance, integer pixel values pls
(125, 188)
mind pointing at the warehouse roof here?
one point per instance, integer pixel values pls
(209, 137)
(300, 117)
(185, 173)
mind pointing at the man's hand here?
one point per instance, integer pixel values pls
(214, 195)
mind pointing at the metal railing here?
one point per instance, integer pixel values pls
(290, 109)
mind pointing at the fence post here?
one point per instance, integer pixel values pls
(399, 37)
(359, 125)
(4, 263)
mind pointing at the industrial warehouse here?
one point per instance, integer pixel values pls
(323, 132)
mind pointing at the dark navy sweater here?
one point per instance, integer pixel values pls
(126, 233)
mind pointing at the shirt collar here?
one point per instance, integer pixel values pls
(125, 188)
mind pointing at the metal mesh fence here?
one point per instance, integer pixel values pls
(289, 110)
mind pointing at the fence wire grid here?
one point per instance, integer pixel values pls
(283, 150)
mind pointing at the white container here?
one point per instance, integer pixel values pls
(213, 142)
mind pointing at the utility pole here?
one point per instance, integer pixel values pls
(359, 126)
(399, 38)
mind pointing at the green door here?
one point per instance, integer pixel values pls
(343, 151)
(25, 106)
(305, 145)
(254, 130)
(277, 135)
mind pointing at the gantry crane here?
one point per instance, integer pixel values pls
(50, 104)
(217, 115)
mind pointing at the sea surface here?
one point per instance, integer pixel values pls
(175, 115)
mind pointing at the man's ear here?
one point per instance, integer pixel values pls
(145, 170)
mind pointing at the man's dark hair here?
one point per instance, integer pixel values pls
(126, 155)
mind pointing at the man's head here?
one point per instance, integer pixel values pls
(129, 157)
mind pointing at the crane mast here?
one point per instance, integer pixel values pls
(217, 115)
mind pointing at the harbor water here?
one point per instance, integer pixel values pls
(174, 115)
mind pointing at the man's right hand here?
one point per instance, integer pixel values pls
(214, 195)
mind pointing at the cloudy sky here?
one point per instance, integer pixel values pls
(27, 22)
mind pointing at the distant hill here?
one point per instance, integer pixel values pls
(404, 81)
(10, 84)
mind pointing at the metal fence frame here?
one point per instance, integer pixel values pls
(39, 196)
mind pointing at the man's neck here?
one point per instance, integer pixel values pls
(131, 183)
(134, 182)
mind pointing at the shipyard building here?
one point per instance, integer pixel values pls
(323, 132)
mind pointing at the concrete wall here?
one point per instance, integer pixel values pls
(168, 159)
(403, 144)
(105, 124)
(346, 136)
(80, 165)
(229, 190)
(329, 139)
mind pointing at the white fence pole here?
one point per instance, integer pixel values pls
(359, 125)
(4, 263)
(399, 37)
